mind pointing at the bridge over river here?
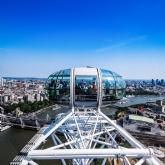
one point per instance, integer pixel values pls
(26, 122)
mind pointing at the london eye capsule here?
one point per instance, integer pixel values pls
(85, 87)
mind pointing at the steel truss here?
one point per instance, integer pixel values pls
(89, 135)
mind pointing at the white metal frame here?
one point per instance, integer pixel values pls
(89, 135)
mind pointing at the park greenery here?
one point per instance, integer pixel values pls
(27, 106)
(122, 110)
(138, 105)
(100, 162)
(141, 93)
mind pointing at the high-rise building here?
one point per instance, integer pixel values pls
(1, 81)
(5, 99)
(30, 97)
(162, 82)
(152, 82)
(157, 81)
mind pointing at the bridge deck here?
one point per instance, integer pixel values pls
(24, 122)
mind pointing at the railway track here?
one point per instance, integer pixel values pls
(149, 138)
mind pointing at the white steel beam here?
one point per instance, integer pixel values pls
(79, 133)
(124, 133)
(55, 143)
(141, 161)
(102, 146)
(32, 162)
(73, 141)
(83, 131)
(89, 153)
(43, 137)
(94, 130)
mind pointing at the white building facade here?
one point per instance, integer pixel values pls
(1, 81)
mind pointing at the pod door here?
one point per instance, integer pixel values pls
(86, 91)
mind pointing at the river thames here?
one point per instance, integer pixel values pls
(14, 139)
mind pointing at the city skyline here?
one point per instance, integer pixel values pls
(38, 39)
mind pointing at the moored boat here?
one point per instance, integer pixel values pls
(3, 128)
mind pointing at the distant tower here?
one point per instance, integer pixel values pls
(162, 82)
(157, 81)
(144, 82)
(152, 82)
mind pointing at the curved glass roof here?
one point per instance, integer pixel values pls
(108, 73)
(61, 74)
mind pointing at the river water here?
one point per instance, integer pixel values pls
(14, 139)
(139, 99)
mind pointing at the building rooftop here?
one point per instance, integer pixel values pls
(141, 118)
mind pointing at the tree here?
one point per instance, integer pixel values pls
(25, 108)
(34, 106)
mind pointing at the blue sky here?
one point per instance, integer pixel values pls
(43, 36)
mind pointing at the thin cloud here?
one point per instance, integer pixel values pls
(138, 37)
(108, 40)
(141, 37)
(9, 49)
(112, 47)
(121, 44)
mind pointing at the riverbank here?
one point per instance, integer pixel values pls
(142, 93)
(39, 111)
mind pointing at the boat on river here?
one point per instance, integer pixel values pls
(55, 107)
(3, 127)
(149, 99)
(130, 95)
